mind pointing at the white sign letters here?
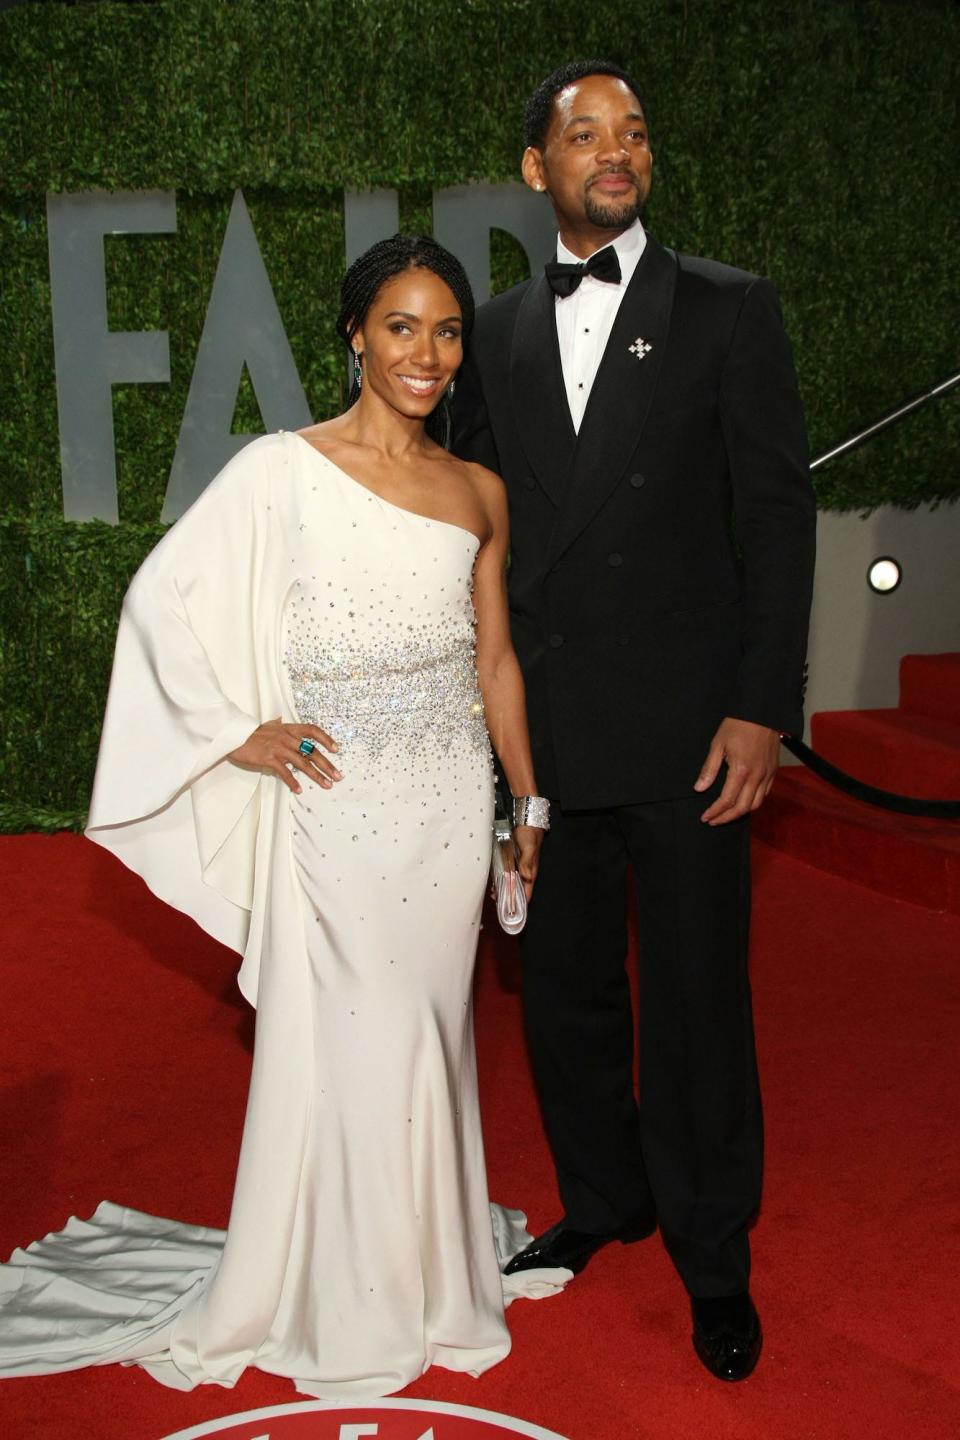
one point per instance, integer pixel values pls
(243, 325)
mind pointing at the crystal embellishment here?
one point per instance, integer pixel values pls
(412, 687)
(640, 347)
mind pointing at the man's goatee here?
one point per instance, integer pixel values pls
(612, 217)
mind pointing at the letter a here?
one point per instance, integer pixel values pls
(243, 326)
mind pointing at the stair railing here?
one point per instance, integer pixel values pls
(894, 416)
(858, 789)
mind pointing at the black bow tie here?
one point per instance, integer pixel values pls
(564, 279)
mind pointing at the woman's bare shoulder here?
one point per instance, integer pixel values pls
(325, 436)
(483, 482)
(487, 486)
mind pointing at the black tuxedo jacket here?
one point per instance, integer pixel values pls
(662, 559)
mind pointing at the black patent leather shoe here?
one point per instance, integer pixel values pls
(727, 1335)
(563, 1248)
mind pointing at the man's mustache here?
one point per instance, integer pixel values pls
(606, 174)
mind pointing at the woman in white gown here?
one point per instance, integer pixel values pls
(295, 752)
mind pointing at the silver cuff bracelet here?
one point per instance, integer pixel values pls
(531, 810)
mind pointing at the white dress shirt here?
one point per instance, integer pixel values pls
(585, 318)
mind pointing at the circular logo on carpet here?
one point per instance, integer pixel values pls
(383, 1419)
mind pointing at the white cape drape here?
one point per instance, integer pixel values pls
(196, 671)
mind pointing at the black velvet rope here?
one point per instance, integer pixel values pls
(869, 794)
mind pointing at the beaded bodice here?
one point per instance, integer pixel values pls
(379, 635)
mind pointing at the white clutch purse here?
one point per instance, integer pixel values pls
(508, 891)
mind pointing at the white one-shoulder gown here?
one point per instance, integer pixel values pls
(361, 1247)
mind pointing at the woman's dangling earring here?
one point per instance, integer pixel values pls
(450, 388)
(357, 370)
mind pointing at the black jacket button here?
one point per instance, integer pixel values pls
(623, 639)
(637, 481)
(531, 484)
(556, 641)
(615, 558)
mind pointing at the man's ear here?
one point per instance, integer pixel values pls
(531, 168)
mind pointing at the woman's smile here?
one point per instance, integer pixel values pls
(420, 384)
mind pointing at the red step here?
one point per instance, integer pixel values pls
(912, 859)
(930, 685)
(907, 753)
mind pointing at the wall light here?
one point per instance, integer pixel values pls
(884, 574)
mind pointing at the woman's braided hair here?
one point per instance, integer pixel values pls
(364, 280)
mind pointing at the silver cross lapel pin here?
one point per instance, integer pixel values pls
(640, 347)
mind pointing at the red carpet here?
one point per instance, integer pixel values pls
(126, 1051)
(930, 685)
(899, 855)
(892, 749)
(913, 750)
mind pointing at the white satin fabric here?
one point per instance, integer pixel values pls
(117, 1287)
(360, 1248)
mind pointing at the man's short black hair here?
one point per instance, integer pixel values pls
(539, 110)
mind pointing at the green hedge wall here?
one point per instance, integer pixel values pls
(812, 141)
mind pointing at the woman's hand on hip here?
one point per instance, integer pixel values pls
(274, 748)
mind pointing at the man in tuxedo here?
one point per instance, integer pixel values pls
(642, 408)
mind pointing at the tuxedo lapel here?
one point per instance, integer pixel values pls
(621, 394)
(539, 396)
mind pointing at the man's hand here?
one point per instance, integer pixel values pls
(752, 754)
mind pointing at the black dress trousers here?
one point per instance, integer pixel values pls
(690, 1150)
